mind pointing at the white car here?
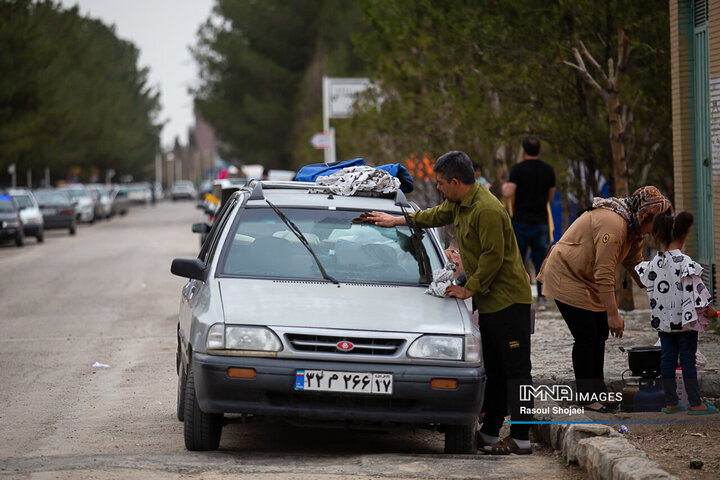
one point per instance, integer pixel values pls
(83, 200)
(30, 215)
(295, 309)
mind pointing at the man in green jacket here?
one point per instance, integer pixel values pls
(499, 287)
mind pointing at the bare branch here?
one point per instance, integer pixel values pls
(592, 60)
(586, 75)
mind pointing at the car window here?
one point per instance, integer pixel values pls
(52, 198)
(6, 204)
(23, 201)
(207, 252)
(263, 246)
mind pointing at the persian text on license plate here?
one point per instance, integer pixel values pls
(349, 382)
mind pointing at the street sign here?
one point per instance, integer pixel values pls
(341, 93)
(320, 140)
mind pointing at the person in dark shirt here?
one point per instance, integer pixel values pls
(532, 183)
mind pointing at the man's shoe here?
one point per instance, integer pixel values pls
(506, 446)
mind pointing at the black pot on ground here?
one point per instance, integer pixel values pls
(644, 361)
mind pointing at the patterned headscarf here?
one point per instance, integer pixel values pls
(643, 204)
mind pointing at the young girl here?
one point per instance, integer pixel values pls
(680, 309)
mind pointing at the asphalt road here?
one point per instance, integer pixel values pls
(106, 295)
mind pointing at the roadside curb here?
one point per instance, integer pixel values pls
(598, 449)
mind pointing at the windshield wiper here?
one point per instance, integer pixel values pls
(416, 237)
(294, 229)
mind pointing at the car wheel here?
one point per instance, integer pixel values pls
(182, 382)
(40, 236)
(460, 439)
(20, 239)
(202, 430)
(73, 228)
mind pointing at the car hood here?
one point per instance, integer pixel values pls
(8, 216)
(347, 306)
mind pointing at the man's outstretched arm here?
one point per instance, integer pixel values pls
(382, 219)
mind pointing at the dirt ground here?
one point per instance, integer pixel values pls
(675, 445)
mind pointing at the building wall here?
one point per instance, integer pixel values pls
(714, 51)
(681, 41)
(681, 71)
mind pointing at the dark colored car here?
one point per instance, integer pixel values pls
(10, 224)
(57, 209)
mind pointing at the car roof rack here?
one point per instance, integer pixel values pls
(257, 186)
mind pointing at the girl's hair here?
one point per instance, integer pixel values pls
(667, 228)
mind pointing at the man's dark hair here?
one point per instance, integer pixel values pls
(531, 145)
(455, 164)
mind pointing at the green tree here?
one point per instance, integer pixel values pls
(72, 96)
(261, 63)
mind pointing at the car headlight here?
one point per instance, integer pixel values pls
(241, 337)
(437, 347)
(11, 223)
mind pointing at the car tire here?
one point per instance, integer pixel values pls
(73, 229)
(182, 382)
(202, 430)
(40, 236)
(461, 439)
(20, 238)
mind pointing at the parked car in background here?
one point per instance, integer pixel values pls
(10, 224)
(120, 202)
(183, 189)
(205, 187)
(57, 208)
(103, 202)
(322, 319)
(30, 216)
(83, 200)
(139, 193)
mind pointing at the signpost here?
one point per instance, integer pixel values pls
(338, 98)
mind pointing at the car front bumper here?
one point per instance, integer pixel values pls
(272, 391)
(7, 233)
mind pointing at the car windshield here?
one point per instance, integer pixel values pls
(263, 246)
(52, 198)
(23, 201)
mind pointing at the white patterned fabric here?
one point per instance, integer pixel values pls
(442, 279)
(350, 180)
(676, 292)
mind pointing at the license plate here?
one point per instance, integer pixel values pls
(344, 382)
(48, 211)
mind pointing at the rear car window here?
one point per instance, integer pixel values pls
(52, 198)
(23, 201)
(6, 204)
(262, 246)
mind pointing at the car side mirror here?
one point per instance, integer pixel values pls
(188, 268)
(200, 228)
(200, 206)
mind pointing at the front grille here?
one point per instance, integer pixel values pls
(328, 344)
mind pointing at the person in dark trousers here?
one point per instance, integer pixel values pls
(500, 290)
(532, 183)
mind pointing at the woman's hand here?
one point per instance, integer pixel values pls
(616, 324)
